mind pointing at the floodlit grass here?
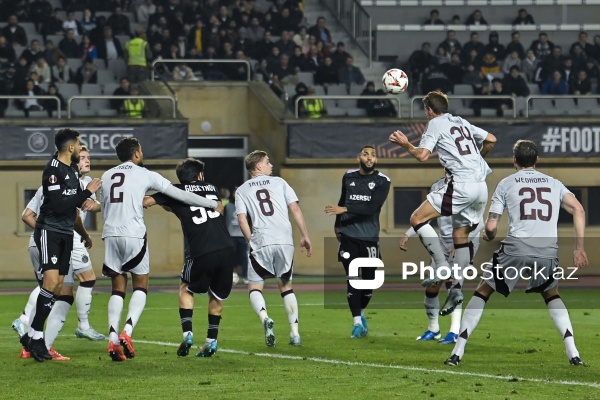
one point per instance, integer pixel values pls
(514, 354)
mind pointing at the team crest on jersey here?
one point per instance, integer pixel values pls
(84, 259)
(371, 185)
(54, 259)
(53, 179)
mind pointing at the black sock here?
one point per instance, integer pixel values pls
(186, 319)
(213, 326)
(354, 300)
(365, 297)
(44, 304)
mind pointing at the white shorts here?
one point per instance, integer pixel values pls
(80, 262)
(125, 254)
(464, 201)
(270, 262)
(34, 255)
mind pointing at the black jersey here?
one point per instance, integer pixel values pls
(363, 196)
(62, 195)
(204, 230)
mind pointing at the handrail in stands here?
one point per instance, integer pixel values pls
(556, 97)
(212, 61)
(142, 97)
(471, 97)
(349, 97)
(24, 97)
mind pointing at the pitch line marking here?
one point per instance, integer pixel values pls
(398, 367)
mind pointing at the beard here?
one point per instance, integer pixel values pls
(364, 167)
(74, 159)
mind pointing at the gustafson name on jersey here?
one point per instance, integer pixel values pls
(199, 188)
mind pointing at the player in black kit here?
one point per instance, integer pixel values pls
(53, 233)
(209, 254)
(357, 227)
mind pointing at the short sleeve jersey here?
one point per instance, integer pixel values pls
(34, 205)
(266, 199)
(532, 201)
(457, 143)
(204, 230)
(123, 191)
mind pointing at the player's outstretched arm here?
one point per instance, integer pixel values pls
(190, 198)
(29, 218)
(488, 144)
(491, 226)
(574, 207)
(80, 229)
(299, 219)
(419, 153)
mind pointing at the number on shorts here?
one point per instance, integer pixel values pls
(117, 197)
(372, 251)
(264, 201)
(532, 196)
(205, 215)
(463, 134)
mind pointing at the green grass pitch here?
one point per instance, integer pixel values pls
(514, 354)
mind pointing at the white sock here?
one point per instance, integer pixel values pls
(291, 308)
(31, 316)
(29, 307)
(35, 335)
(561, 319)
(135, 309)
(357, 320)
(432, 243)
(83, 301)
(432, 309)
(455, 319)
(115, 308)
(462, 258)
(56, 320)
(258, 304)
(468, 324)
(188, 333)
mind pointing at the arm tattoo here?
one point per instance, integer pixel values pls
(493, 216)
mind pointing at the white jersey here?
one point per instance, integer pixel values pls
(533, 201)
(83, 182)
(457, 143)
(123, 191)
(266, 199)
(34, 205)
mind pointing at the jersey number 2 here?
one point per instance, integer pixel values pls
(118, 181)
(204, 215)
(532, 196)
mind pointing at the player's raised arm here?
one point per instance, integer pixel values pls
(419, 153)
(191, 199)
(574, 207)
(299, 219)
(488, 144)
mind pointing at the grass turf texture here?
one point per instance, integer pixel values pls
(514, 354)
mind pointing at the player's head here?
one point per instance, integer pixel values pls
(525, 154)
(258, 163)
(84, 161)
(190, 170)
(435, 103)
(367, 158)
(67, 141)
(130, 149)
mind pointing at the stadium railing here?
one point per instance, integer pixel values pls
(215, 61)
(562, 109)
(23, 97)
(469, 97)
(348, 97)
(141, 97)
(357, 22)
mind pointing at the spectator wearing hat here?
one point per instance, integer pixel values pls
(494, 47)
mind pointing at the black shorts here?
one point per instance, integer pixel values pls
(212, 271)
(55, 250)
(351, 248)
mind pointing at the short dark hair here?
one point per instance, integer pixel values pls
(254, 158)
(437, 101)
(188, 170)
(367, 146)
(63, 137)
(126, 148)
(525, 152)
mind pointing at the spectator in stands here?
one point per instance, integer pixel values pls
(33, 75)
(31, 90)
(86, 74)
(42, 69)
(340, 55)
(69, 46)
(515, 45)
(72, 23)
(494, 47)
(262, 72)
(182, 46)
(51, 53)
(301, 90)
(223, 16)
(32, 52)
(50, 104)
(474, 78)
(567, 70)
(88, 50)
(542, 47)
(473, 44)
(212, 71)
(591, 69)
(198, 37)
(453, 70)
(476, 18)
(61, 73)
(579, 57)
(288, 21)
(524, 18)
(456, 20)
(21, 72)
(122, 90)
(434, 18)
(596, 50)
(299, 61)
(53, 25)
(582, 41)
(239, 71)
(529, 65)
(119, 22)
(553, 62)
(555, 85)
(7, 86)
(134, 107)
(137, 54)
(286, 44)
(320, 31)
(301, 39)
(314, 107)
(14, 33)
(451, 44)
(511, 61)
(181, 72)
(144, 11)
(284, 74)
(474, 58)
(500, 105)
(420, 63)
(264, 47)
(326, 73)
(489, 65)
(441, 56)
(88, 21)
(270, 24)
(350, 74)
(514, 83)
(39, 12)
(369, 90)
(243, 44)
(436, 79)
(581, 85)
(255, 32)
(314, 58)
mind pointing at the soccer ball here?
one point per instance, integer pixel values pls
(394, 81)
(236, 278)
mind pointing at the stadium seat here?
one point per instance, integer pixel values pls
(306, 77)
(356, 90)
(99, 63)
(109, 88)
(563, 105)
(337, 90)
(320, 90)
(463, 89)
(91, 89)
(118, 67)
(38, 114)
(107, 113)
(356, 112)
(67, 89)
(99, 104)
(105, 76)
(347, 104)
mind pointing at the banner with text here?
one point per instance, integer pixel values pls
(158, 140)
(313, 140)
